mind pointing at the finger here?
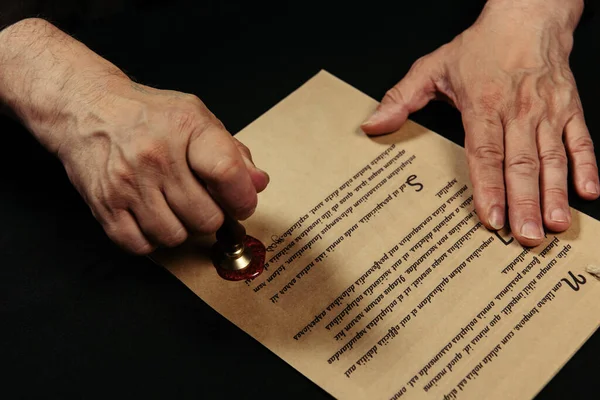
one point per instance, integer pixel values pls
(553, 177)
(244, 150)
(157, 220)
(192, 204)
(216, 160)
(484, 143)
(521, 171)
(410, 94)
(583, 160)
(125, 232)
(260, 178)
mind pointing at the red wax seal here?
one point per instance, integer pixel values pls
(256, 266)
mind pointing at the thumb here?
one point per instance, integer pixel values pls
(409, 95)
(260, 178)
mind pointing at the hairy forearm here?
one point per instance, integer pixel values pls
(43, 76)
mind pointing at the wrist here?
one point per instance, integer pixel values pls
(562, 13)
(46, 77)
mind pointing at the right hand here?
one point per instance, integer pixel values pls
(157, 165)
(153, 165)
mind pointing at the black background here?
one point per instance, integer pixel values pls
(79, 318)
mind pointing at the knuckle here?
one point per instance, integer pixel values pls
(102, 215)
(419, 64)
(115, 226)
(527, 105)
(488, 154)
(560, 100)
(523, 163)
(184, 118)
(487, 120)
(211, 223)
(175, 237)
(394, 95)
(539, 111)
(141, 249)
(113, 199)
(121, 176)
(583, 144)
(589, 166)
(556, 193)
(525, 202)
(571, 110)
(194, 101)
(227, 169)
(563, 80)
(94, 197)
(117, 232)
(112, 196)
(154, 153)
(566, 95)
(190, 114)
(475, 121)
(193, 119)
(490, 98)
(491, 189)
(113, 230)
(553, 157)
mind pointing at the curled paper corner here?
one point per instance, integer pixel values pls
(593, 270)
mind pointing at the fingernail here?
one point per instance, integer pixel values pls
(558, 215)
(531, 230)
(496, 220)
(374, 118)
(591, 187)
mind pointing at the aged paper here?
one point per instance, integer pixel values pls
(381, 282)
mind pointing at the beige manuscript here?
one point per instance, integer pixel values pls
(381, 283)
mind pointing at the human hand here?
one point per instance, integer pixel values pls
(509, 76)
(153, 165)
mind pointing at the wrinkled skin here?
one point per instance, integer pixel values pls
(154, 166)
(509, 76)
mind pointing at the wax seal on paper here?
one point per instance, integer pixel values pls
(235, 255)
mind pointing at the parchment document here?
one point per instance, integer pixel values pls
(381, 282)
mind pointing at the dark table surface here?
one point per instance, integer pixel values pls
(79, 318)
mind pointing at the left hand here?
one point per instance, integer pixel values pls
(509, 76)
